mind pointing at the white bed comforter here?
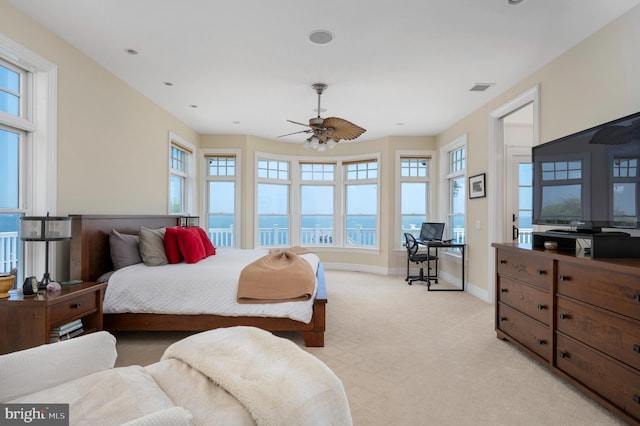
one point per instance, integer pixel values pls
(207, 287)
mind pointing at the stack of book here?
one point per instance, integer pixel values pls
(66, 331)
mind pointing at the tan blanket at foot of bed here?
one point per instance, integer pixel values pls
(280, 276)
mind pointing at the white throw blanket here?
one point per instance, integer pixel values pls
(278, 382)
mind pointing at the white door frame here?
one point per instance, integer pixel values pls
(496, 189)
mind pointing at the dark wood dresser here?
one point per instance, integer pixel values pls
(578, 316)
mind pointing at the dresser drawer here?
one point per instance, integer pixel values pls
(609, 289)
(617, 336)
(536, 270)
(73, 307)
(615, 382)
(525, 298)
(525, 330)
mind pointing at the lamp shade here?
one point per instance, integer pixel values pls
(45, 228)
(189, 221)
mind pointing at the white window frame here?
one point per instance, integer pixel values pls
(39, 151)
(429, 179)
(204, 153)
(340, 183)
(294, 219)
(445, 178)
(189, 206)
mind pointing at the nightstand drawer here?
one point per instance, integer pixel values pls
(73, 308)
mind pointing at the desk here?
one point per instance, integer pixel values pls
(436, 245)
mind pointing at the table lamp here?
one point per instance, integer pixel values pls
(45, 228)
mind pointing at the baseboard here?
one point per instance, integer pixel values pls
(469, 287)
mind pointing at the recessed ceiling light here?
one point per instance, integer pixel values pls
(131, 51)
(516, 1)
(235, 122)
(481, 87)
(400, 124)
(193, 106)
(320, 37)
(168, 83)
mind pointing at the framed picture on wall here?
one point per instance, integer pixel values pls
(477, 188)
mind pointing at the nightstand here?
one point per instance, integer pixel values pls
(26, 321)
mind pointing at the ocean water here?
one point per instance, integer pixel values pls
(9, 222)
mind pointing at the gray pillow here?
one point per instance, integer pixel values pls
(152, 246)
(124, 249)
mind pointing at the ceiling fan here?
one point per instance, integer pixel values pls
(326, 132)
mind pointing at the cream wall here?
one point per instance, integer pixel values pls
(112, 141)
(595, 82)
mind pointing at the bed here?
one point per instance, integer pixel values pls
(90, 259)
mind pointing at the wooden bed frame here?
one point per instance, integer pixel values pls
(90, 258)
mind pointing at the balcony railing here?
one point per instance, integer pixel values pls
(8, 251)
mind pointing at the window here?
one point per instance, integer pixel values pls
(328, 202)
(181, 176)
(317, 203)
(222, 186)
(273, 203)
(361, 202)
(454, 159)
(24, 188)
(10, 212)
(414, 194)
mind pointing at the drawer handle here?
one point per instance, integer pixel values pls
(564, 354)
(541, 272)
(636, 297)
(636, 399)
(636, 348)
(504, 290)
(75, 306)
(503, 262)
(541, 341)
(565, 316)
(542, 307)
(564, 278)
(503, 318)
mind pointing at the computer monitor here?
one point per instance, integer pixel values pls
(431, 231)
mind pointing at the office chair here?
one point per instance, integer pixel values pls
(417, 257)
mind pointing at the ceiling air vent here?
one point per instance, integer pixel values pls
(481, 87)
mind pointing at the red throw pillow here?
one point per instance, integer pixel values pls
(209, 249)
(191, 245)
(171, 247)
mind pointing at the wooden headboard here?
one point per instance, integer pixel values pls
(89, 253)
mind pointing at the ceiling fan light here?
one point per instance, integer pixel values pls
(322, 147)
(331, 143)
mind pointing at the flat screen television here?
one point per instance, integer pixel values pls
(591, 179)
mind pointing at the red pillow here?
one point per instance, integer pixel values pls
(191, 245)
(171, 247)
(209, 249)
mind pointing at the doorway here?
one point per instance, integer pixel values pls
(499, 230)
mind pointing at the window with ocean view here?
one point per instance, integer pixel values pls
(221, 199)
(322, 191)
(414, 194)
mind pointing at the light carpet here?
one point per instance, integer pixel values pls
(411, 357)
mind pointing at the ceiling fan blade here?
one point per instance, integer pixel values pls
(339, 128)
(295, 133)
(302, 124)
